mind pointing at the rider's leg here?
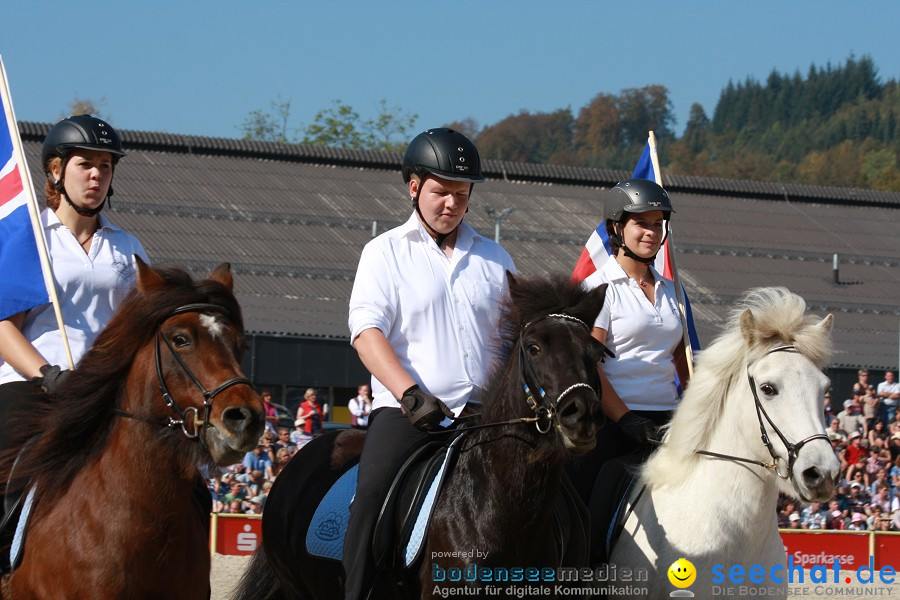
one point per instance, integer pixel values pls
(390, 439)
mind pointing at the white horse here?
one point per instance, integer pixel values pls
(763, 373)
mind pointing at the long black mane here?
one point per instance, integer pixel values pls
(74, 426)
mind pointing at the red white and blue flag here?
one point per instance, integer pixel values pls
(598, 248)
(22, 282)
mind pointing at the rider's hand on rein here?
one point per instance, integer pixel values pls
(424, 410)
(640, 429)
(51, 378)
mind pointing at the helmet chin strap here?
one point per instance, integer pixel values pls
(84, 212)
(438, 237)
(619, 239)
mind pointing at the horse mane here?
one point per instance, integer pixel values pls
(76, 424)
(780, 318)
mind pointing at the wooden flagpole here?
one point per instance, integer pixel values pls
(30, 200)
(679, 291)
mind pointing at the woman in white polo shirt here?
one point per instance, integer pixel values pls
(640, 323)
(92, 259)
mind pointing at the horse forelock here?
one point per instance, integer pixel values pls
(780, 318)
(78, 422)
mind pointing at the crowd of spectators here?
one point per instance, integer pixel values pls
(865, 436)
(242, 488)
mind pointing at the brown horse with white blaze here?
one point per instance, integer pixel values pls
(112, 475)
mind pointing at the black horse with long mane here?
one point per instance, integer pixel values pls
(496, 509)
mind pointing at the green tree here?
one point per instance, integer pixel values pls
(85, 106)
(269, 126)
(527, 137)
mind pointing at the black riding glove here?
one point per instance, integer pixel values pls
(51, 378)
(640, 429)
(424, 410)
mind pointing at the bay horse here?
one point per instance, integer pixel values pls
(750, 426)
(499, 499)
(115, 460)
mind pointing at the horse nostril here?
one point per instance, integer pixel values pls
(237, 418)
(812, 477)
(572, 411)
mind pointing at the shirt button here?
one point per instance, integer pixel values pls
(465, 354)
(461, 327)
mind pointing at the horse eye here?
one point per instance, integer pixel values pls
(768, 389)
(534, 349)
(180, 341)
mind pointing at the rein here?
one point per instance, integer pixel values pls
(793, 449)
(189, 426)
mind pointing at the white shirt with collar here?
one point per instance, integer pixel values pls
(90, 287)
(439, 314)
(642, 336)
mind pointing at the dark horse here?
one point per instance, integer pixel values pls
(500, 497)
(115, 461)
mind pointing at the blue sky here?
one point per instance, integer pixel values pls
(200, 67)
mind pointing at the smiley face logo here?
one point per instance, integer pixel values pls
(682, 573)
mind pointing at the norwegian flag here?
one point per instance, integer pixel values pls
(22, 283)
(597, 250)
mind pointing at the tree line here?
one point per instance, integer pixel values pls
(835, 125)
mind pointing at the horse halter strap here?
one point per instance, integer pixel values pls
(792, 449)
(545, 409)
(208, 395)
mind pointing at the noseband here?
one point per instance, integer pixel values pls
(792, 449)
(189, 426)
(545, 409)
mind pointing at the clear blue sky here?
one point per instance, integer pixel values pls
(200, 67)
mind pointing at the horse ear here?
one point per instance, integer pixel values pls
(147, 278)
(748, 327)
(222, 274)
(588, 309)
(511, 281)
(826, 324)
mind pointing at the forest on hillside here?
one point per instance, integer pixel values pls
(835, 125)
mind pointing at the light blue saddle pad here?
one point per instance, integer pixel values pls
(325, 536)
(19, 538)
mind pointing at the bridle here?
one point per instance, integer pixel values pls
(544, 409)
(189, 419)
(793, 449)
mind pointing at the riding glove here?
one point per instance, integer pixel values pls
(424, 410)
(51, 378)
(640, 429)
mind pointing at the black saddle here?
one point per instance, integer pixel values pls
(616, 490)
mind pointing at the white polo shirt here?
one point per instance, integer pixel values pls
(90, 286)
(439, 314)
(642, 336)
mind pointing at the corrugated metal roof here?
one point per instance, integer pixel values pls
(293, 219)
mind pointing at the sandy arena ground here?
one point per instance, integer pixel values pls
(227, 570)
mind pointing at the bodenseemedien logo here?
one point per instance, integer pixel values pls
(682, 574)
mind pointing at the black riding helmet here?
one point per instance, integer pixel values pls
(444, 153)
(80, 131)
(630, 197)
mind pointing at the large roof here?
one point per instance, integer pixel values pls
(292, 221)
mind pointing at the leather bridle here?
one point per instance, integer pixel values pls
(189, 419)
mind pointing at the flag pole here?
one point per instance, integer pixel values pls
(33, 211)
(679, 291)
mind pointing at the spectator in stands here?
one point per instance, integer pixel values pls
(218, 487)
(299, 437)
(836, 520)
(882, 481)
(870, 403)
(258, 460)
(851, 418)
(878, 436)
(269, 409)
(282, 457)
(814, 516)
(835, 433)
(882, 500)
(894, 445)
(829, 411)
(858, 522)
(311, 413)
(360, 407)
(284, 441)
(855, 455)
(889, 392)
(859, 388)
(237, 493)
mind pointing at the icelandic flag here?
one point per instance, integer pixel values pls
(21, 279)
(598, 249)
